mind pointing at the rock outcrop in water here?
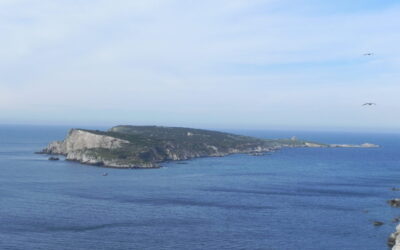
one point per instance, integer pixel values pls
(394, 239)
(394, 202)
(147, 146)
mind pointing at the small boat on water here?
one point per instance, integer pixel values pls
(105, 174)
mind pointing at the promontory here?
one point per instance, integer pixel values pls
(148, 146)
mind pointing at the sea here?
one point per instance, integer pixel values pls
(295, 198)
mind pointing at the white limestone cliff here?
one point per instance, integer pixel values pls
(80, 139)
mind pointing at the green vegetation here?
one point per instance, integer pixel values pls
(153, 144)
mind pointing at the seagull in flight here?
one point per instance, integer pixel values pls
(369, 104)
(368, 54)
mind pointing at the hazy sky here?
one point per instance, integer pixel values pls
(209, 63)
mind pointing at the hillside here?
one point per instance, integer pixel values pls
(147, 146)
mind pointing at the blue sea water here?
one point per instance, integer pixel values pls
(304, 198)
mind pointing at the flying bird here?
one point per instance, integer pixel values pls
(368, 54)
(369, 104)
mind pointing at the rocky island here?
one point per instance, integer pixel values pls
(148, 146)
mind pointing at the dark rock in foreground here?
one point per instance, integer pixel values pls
(394, 202)
(394, 239)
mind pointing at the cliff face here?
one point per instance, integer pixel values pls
(78, 144)
(79, 139)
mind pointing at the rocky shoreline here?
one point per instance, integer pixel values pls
(394, 238)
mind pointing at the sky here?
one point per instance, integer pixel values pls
(248, 64)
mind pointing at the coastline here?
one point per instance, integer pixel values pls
(394, 239)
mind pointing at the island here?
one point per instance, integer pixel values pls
(147, 146)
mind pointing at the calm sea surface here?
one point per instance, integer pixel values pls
(305, 198)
